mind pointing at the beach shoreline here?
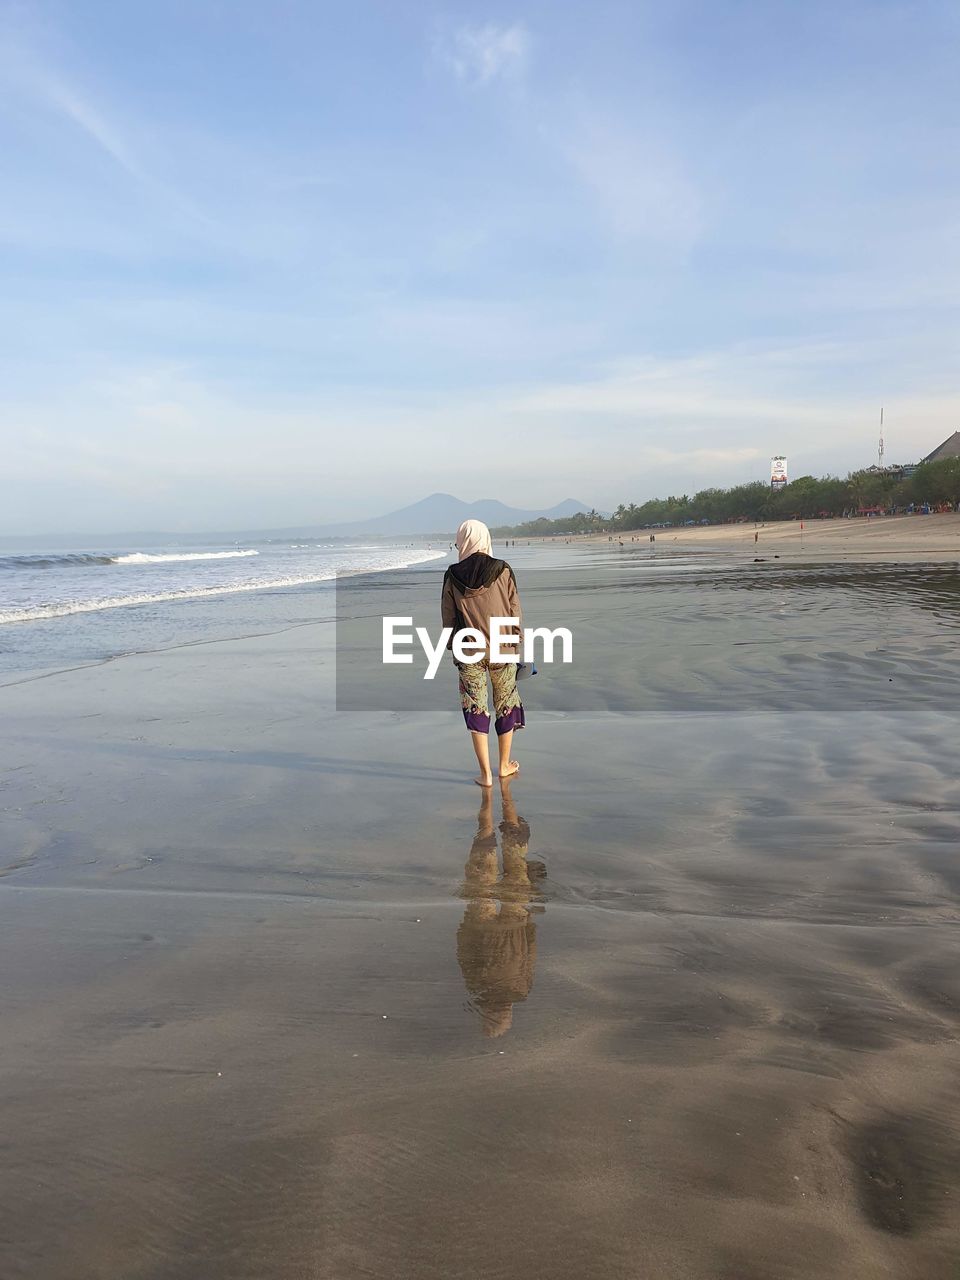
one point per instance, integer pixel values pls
(904, 539)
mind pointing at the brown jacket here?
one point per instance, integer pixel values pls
(476, 590)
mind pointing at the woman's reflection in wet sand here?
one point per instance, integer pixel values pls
(497, 940)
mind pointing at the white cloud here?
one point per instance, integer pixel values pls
(636, 176)
(747, 401)
(633, 170)
(701, 457)
(82, 114)
(159, 447)
(42, 84)
(479, 55)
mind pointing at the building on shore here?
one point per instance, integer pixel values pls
(949, 449)
(896, 470)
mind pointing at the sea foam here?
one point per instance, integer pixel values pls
(66, 608)
(144, 557)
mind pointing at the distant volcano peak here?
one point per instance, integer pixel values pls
(441, 514)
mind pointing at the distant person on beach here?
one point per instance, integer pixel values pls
(476, 589)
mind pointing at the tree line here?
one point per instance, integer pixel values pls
(807, 497)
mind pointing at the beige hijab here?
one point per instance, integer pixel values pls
(473, 536)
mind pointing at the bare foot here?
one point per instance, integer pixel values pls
(512, 768)
(484, 782)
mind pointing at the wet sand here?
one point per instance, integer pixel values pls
(283, 998)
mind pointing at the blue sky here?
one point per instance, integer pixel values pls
(265, 264)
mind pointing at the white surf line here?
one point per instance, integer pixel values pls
(46, 613)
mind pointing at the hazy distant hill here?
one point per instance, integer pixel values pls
(442, 513)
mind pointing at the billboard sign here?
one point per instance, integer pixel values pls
(778, 472)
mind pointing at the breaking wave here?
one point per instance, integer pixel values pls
(80, 558)
(144, 557)
(41, 561)
(66, 608)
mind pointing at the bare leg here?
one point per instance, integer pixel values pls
(482, 750)
(507, 766)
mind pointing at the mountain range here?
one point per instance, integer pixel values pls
(442, 514)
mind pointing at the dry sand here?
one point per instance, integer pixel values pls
(902, 539)
(256, 955)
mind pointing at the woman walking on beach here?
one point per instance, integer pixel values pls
(476, 589)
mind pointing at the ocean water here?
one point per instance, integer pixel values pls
(73, 605)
